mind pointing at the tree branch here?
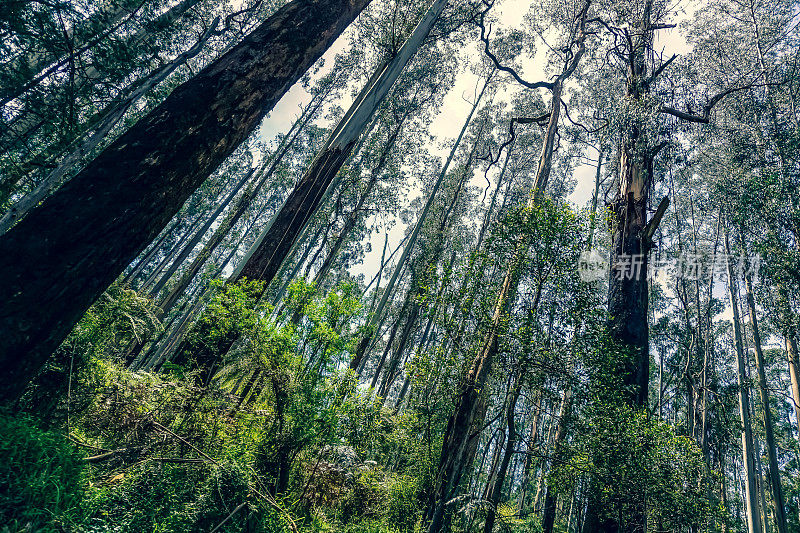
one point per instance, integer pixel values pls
(652, 226)
(660, 69)
(500, 66)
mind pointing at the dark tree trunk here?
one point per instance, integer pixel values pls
(496, 490)
(70, 249)
(561, 430)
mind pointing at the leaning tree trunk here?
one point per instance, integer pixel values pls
(70, 249)
(354, 216)
(315, 184)
(189, 246)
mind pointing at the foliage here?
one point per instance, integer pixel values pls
(42, 479)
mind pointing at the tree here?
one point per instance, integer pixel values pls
(135, 185)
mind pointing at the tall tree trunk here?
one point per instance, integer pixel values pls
(769, 432)
(355, 214)
(561, 431)
(394, 362)
(82, 237)
(765, 526)
(748, 458)
(306, 197)
(631, 241)
(377, 314)
(189, 233)
(529, 454)
(794, 375)
(129, 278)
(388, 348)
(496, 490)
(189, 246)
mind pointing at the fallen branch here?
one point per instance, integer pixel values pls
(186, 442)
(109, 454)
(231, 515)
(271, 501)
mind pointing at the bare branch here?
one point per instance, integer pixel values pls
(706, 116)
(500, 66)
(660, 69)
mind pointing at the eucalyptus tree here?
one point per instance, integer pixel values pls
(281, 234)
(470, 409)
(138, 183)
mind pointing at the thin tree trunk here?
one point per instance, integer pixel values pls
(392, 335)
(794, 375)
(772, 454)
(145, 259)
(354, 215)
(239, 208)
(459, 426)
(748, 458)
(528, 464)
(188, 247)
(190, 233)
(496, 491)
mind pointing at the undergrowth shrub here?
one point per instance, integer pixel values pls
(41, 477)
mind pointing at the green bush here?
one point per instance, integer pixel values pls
(41, 476)
(402, 504)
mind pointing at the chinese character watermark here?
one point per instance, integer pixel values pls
(593, 265)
